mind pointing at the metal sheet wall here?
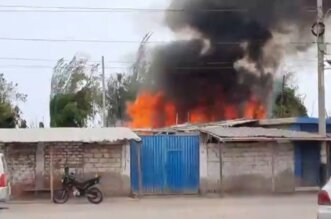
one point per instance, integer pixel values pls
(169, 164)
(307, 163)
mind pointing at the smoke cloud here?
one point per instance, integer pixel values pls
(234, 53)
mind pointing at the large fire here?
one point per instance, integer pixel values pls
(154, 110)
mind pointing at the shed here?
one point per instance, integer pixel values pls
(307, 124)
(37, 157)
(251, 159)
(307, 154)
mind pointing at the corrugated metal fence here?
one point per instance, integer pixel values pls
(169, 164)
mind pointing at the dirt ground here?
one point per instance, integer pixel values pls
(297, 206)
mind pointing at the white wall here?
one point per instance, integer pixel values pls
(126, 160)
(203, 166)
(213, 168)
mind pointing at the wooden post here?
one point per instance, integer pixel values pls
(327, 174)
(221, 167)
(273, 180)
(140, 192)
(51, 171)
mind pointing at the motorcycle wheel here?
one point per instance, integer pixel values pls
(94, 195)
(61, 196)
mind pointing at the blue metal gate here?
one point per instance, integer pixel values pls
(169, 164)
(307, 163)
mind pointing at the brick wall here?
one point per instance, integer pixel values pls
(258, 167)
(86, 160)
(21, 164)
(30, 165)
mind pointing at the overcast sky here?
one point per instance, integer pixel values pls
(128, 26)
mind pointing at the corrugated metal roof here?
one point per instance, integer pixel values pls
(291, 120)
(252, 133)
(278, 121)
(67, 135)
(187, 127)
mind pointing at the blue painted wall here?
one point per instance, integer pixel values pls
(309, 124)
(307, 154)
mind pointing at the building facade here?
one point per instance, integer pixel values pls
(229, 160)
(249, 167)
(33, 162)
(310, 158)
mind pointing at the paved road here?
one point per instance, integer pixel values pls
(282, 207)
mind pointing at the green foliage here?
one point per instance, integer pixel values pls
(76, 94)
(288, 103)
(72, 110)
(41, 125)
(10, 114)
(8, 118)
(123, 88)
(23, 124)
(116, 97)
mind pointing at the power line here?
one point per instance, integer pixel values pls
(70, 40)
(55, 60)
(122, 67)
(48, 67)
(18, 8)
(209, 64)
(123, 41)
(55, 9)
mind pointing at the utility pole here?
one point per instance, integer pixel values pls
(319, 33)
(282, 98)
(321, 82)
(104, 114)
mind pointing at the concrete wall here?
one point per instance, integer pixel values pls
(213, 166)
(30, 165)
(251, 167)
(203, 167)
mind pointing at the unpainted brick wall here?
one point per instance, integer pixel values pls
(21, 163)
(248, 167)
(84, 160)
(65, 154)
(213, 168)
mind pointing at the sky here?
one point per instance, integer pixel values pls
(126, 26)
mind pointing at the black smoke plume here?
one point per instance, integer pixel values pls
(233, 53)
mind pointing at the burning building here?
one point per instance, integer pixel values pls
(227, 66)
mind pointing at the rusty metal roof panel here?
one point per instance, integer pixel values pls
(187, 127)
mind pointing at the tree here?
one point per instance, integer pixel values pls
(10, 113)
(288, 103)
(123, 88)
(75, 94)
(23, 124)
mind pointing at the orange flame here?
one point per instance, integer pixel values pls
(254, 110)
(151, 110)
(155, 111)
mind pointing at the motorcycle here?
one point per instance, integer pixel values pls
(78, 189)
